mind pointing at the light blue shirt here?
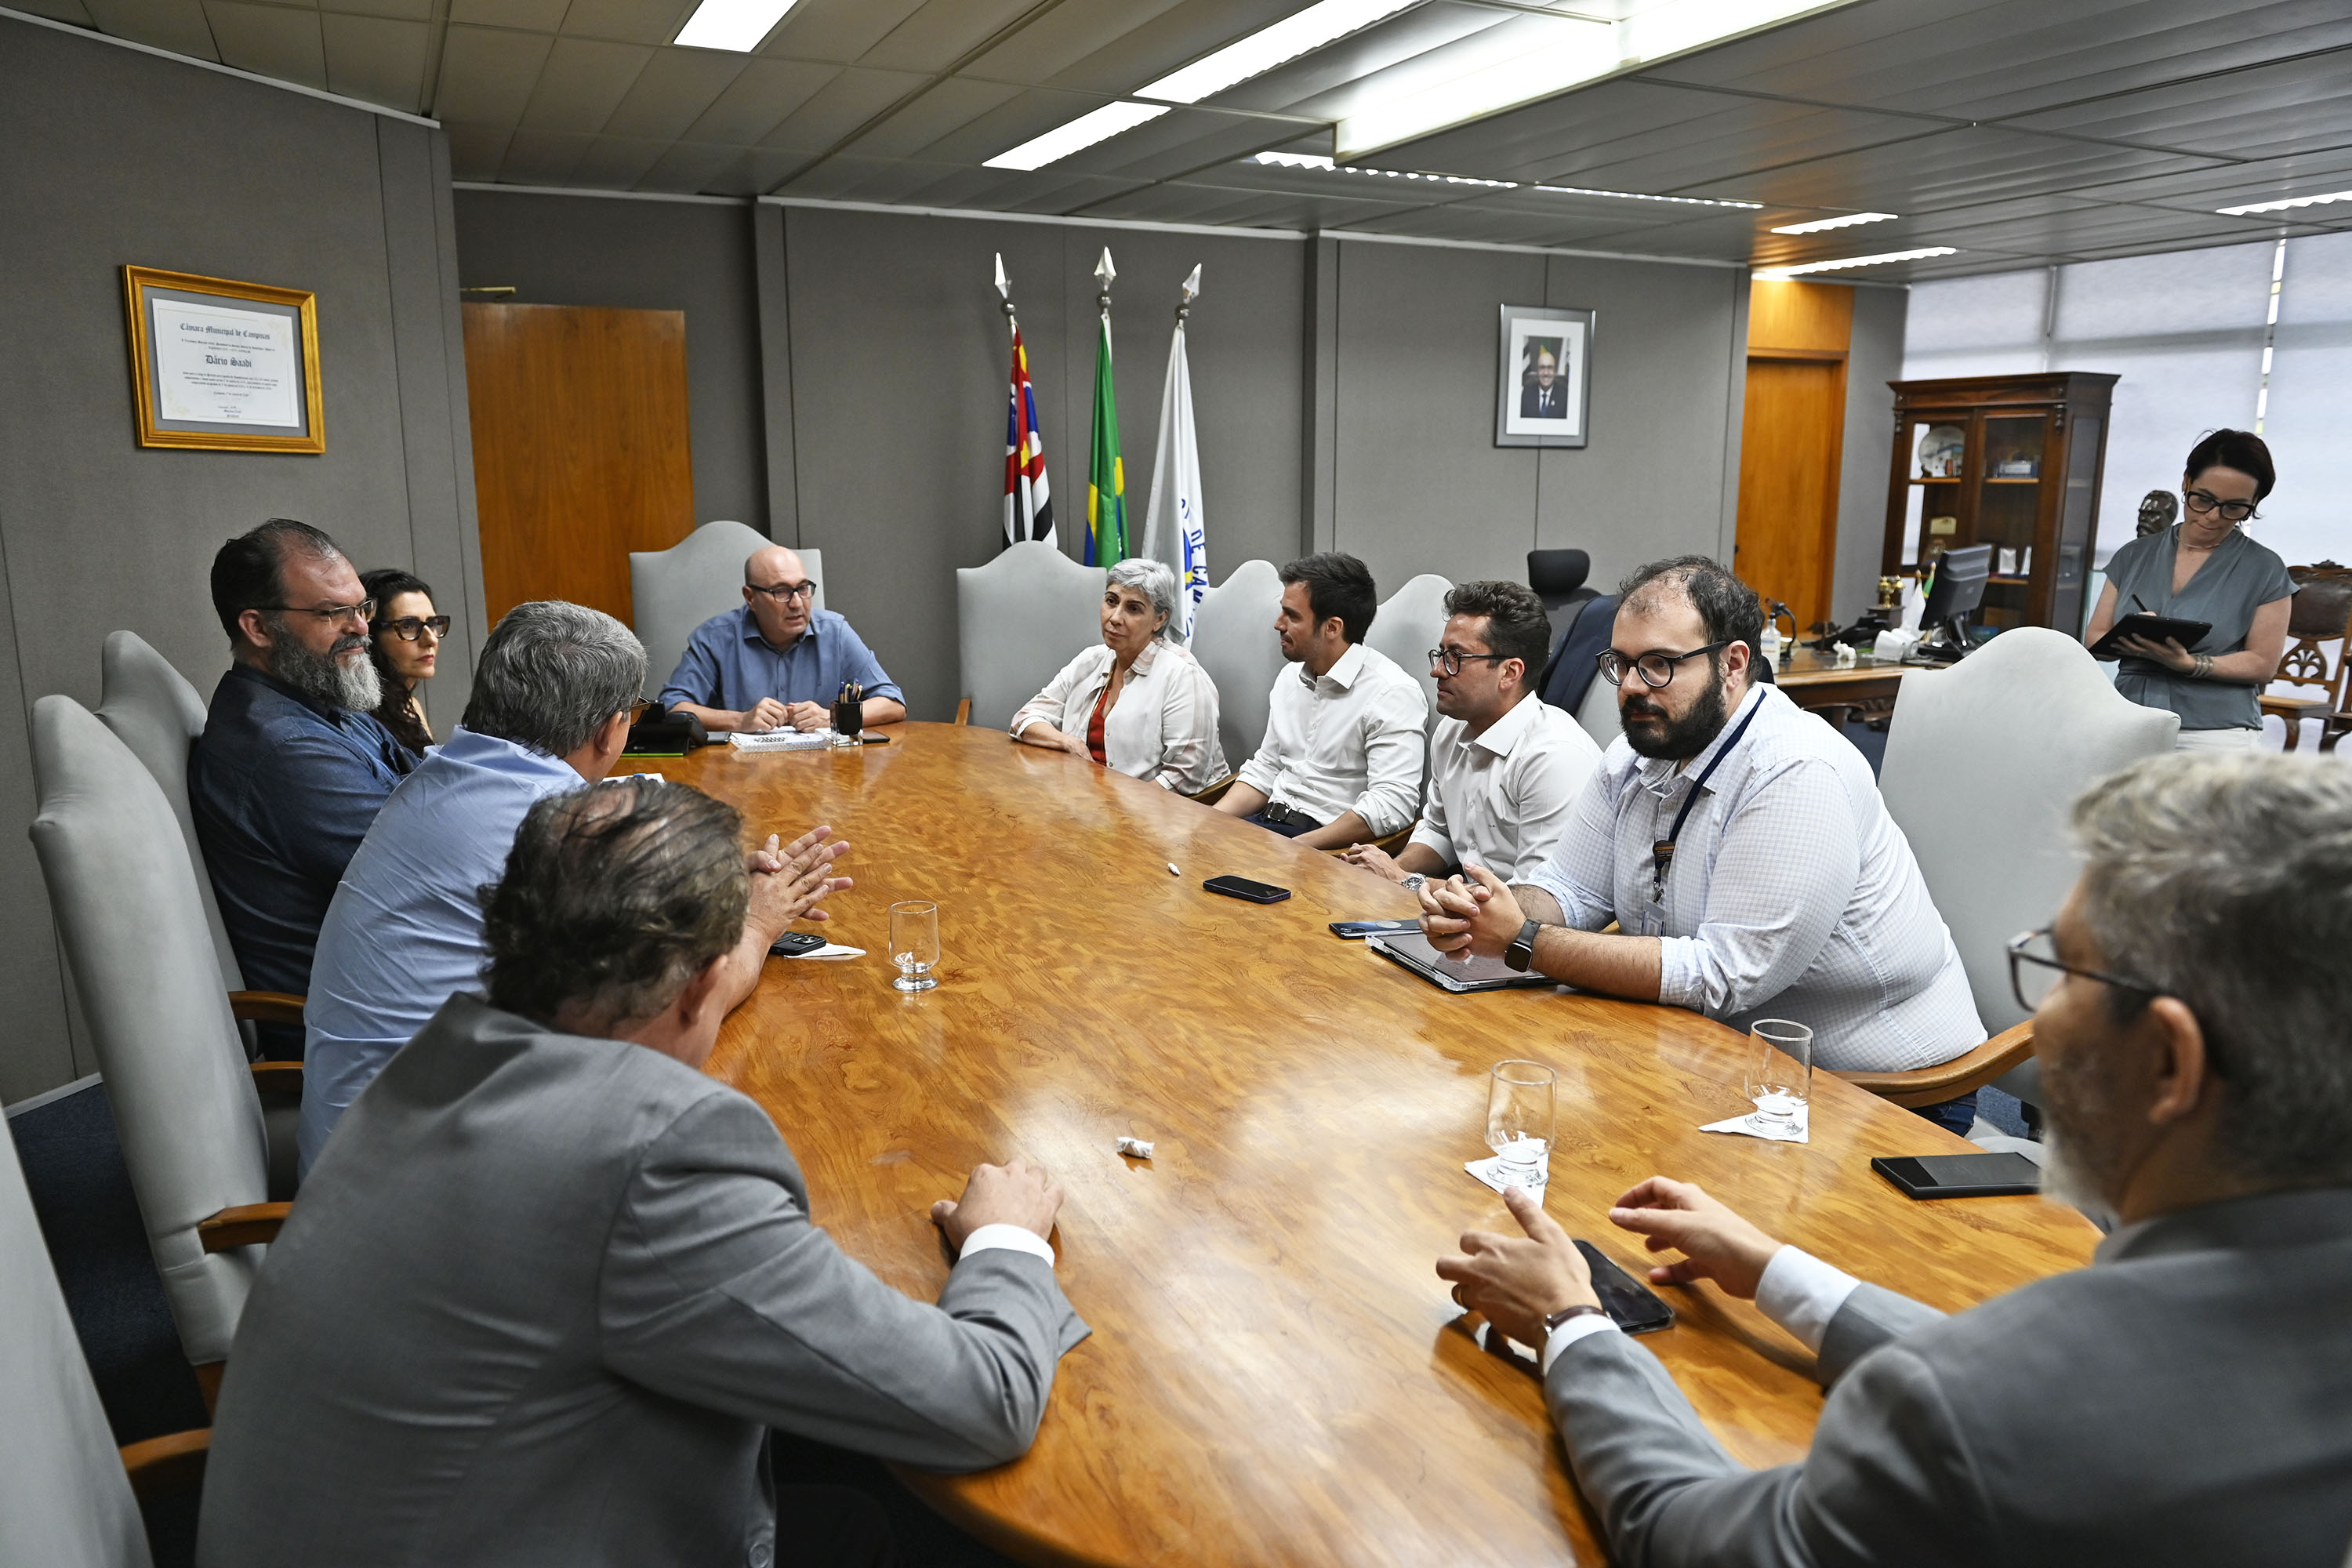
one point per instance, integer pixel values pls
(404, 930)
(729, 665)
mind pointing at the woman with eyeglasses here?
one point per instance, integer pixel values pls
(404, 644)
(2205, 568)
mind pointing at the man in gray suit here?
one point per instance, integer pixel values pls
(2186, 1399)
(548, 1287)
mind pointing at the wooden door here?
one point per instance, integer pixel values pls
(1792, 438)
(579, 447)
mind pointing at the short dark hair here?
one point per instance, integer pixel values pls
(1337, 585)
(249, 571)
(1516, 626)
(2240, 449)
(615, 896)
(1727, 607)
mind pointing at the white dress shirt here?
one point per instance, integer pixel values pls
(1798, 1291)
(1349, 741)
(1791, 895)
(1163, 727)
(1503, 799)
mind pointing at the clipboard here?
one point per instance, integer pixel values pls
(2156, 628)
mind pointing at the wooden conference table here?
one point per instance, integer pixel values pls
(1271, 1377)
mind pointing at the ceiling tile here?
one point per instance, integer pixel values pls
(178, 25)
(675, 89)
(752, 104)
(583, 83)
(629, 21)
(687, 167)
(2236, 184)
(71, 11)
(276, 41)
(1949, 168)
(837, 31)
(1066, 34)
(401, 10)
(487, 76)
(1118, 50)
(616, 163)
(2298, 106)
(530, 15)
(821, 119)
(542, 157)
(475, 149)
(935, 37)
(953, 106)
(376, 59)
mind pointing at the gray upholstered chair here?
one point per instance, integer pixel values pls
(153, 709)
(1597, 715)
(124, 897)
(1409, 624)
(65, 1495)
(1234, 638)
(676, 590)
(1019, 619)
(1983, 762)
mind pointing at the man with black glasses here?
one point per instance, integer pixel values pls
(778, 661)
(293, 765)
(1741, 845)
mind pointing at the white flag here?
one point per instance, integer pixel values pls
(1172, 528)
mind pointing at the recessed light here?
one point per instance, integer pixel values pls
(1821, 224)
(1638, 196)
(1097, 125)
(1842, 262)
(2279, 206)
(736, 25)
(1269, 47)
(1312, 160)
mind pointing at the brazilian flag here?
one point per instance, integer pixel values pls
(1106, 475)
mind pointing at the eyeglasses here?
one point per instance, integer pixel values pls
(2034, 967)
(2200, 503)
(785, 593)
(365, 611)
(1451, 661)
(1655, 669)
(408, 628)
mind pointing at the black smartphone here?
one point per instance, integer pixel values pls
(795, 944)
(1243, 887)
(1623, 1298)
(1356, 931)
(2005, 1174)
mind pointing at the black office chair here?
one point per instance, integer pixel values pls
(1557, 577)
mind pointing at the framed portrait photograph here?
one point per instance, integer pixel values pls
(228, 366)
(1544, 376)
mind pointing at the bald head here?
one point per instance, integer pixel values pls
(768, 575)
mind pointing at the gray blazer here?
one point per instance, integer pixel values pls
(2187, 1399)
(542, 1297)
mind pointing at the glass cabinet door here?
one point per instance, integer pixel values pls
(1937, 472)
(2009, 510)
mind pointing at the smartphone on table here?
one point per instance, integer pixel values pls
(1988, 1175)
(1356, 931)
(1243, 888)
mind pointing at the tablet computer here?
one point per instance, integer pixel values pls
(1411, 950)
(2154, 629)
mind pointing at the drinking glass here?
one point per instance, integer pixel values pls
(915, 944)
(1519, 1107)
(1780, 1072)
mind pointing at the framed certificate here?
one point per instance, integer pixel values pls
(1543, 377)
(229, 367)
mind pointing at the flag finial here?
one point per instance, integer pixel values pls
(1191, 292)
(1104, 270)
(1004, 286)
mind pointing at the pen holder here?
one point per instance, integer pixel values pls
(849, 717)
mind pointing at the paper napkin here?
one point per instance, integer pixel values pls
(1791, 1131)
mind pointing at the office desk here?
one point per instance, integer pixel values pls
(1815, 683)
(1271, 1377)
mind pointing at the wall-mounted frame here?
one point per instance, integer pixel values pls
(1543, 374)
(228, 366)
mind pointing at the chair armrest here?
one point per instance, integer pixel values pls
(243, 1226)
(277, 1078)
(963, 711)
(2306, 706)
(1389, 844)
(266, 1006)
(1215, 792)
(169, 1465)
(1933, 1086)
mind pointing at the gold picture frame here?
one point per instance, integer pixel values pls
(222, 365)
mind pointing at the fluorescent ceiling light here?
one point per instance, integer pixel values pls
(1586, 49)
(1638, 196)
(733, 25)
(1822, 223)
(1312, 160)
(1879, 260)
(1270, 47)
(1101, 125)
(2252, 207)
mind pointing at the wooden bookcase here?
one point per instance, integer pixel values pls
(2012, 461)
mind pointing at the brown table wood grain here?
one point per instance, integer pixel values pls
(1271, 1377)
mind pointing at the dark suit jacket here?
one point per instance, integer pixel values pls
(539, 1302)
(1559, 409)
(2187, 1399)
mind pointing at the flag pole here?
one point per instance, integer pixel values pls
(1107, 542)
(1173, 530)
(1028, 496)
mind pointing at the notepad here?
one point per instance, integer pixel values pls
(781, 740)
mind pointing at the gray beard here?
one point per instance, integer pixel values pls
(2067, 1184)
(326, 678)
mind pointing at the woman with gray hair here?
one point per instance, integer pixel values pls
(1138, 701)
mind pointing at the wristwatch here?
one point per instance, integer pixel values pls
(1565, 1313)
(1522, 950)
(1413, 882)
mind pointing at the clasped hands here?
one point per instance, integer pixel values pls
(768, 714)
(790, 881)
(1473, 911)
(1514, 1282)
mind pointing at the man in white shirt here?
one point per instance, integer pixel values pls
(1741, 847)
(1505, 768)
(1341, 759)
(2185, 1397)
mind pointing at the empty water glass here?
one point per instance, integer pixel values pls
(915, 944)
(1519, 1110)
(1780, 1073)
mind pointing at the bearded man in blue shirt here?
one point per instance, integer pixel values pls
(778, 662)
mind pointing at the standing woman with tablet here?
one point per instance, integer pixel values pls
(2205, 568)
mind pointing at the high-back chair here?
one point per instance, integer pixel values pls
(124, 897)
(2319, 614)
(1234, 638)
(1411, 623)
(1557, 577)
(1020, 619)
(1984, 763)
(676, 590)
